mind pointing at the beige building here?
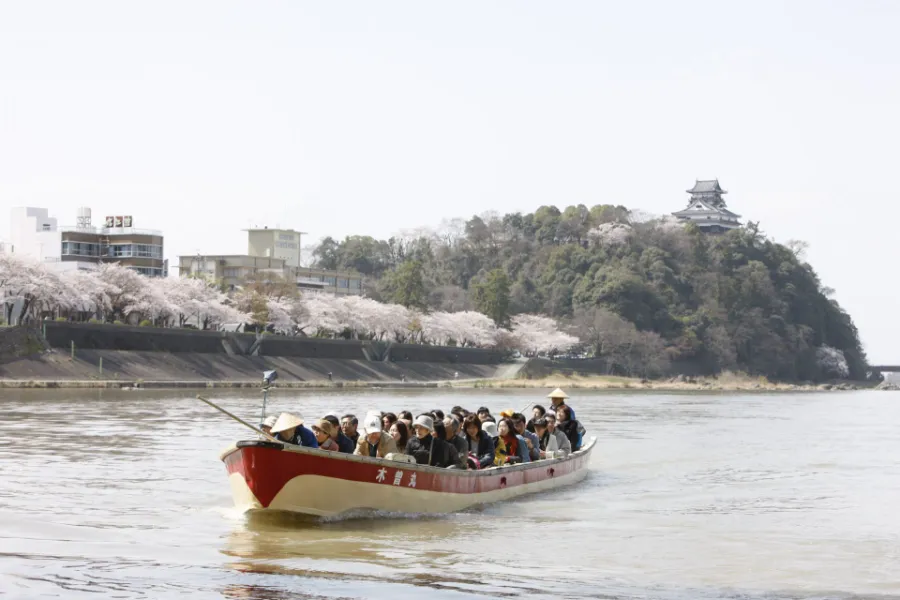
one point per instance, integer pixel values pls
(274, 251)
(275, 243)
(230, 269)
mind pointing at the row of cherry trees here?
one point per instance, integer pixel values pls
(29, 291)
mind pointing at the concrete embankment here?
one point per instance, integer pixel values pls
(75, 355)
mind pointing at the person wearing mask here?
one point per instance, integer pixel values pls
(375, 443)
(568, 425)
(511, 447)
(532, 442)
(324, 431)
(289, 428)
(344, 443)
(349, 424)
(451, 424)
(536, 413)
(562, 442)
(400, 433)
(480, 443)
(425, 448)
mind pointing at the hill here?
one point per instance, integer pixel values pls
(643, 293)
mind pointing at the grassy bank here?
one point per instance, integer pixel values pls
(726, 382)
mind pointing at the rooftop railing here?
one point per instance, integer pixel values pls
(110, 230)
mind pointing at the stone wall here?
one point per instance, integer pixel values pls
(90, 336)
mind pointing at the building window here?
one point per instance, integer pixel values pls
(332, 281)
(80, 249)
(342, 283)
(136, 250)
(232, 272)
(355, 284)
(148, 271)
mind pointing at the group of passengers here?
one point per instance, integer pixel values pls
(457, 440)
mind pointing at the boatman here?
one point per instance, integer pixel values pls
(289, 428)
(557, 399)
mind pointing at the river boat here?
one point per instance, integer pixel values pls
(273, 476)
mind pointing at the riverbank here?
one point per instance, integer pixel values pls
(726, 382)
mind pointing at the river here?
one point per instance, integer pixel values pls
(121, 494)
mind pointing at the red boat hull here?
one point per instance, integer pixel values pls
(270, 476)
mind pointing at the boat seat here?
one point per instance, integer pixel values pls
(398, 457)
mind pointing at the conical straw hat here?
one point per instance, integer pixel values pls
(557, 393)
(286, 421)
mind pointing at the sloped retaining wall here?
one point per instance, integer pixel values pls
(90, 336)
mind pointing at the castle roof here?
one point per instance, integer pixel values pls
(707, 186)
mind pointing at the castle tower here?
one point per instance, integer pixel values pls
(707, 210)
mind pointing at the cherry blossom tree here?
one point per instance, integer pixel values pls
(534, 334)
(610, 234)
(832, 362)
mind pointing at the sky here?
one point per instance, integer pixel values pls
(340, 118)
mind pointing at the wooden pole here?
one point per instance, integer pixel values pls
(72, 342)
(236, 418)
(101, 365)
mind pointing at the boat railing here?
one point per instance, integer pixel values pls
(426, 468)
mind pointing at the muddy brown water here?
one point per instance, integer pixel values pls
(121, 495)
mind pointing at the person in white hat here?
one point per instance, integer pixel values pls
(289, 428)
(267, 424)
(375, 442)
(429, 450)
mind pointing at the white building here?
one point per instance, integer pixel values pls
(37, 235)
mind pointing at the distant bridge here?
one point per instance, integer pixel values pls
(885, 368)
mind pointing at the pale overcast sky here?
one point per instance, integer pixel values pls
(336, 118)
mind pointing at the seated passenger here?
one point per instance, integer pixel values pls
(536, 413)
(561, 440)
(531, 440)
(456, 437)
(428, 450)
(349, 424)
(323, 430)
(375, 443)
(267, 423)
(511, 447)
(289, 428)
(400, 433)
(569, 426)
(547, 440)
(388, 419)
(440, 432)
(344, 443)
(484, 414)
(480, 444)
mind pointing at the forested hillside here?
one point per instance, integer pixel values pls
(641, 292)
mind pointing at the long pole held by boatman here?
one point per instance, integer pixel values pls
(237, 418)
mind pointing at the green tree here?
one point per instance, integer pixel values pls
(492, 296)
(405, 285)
